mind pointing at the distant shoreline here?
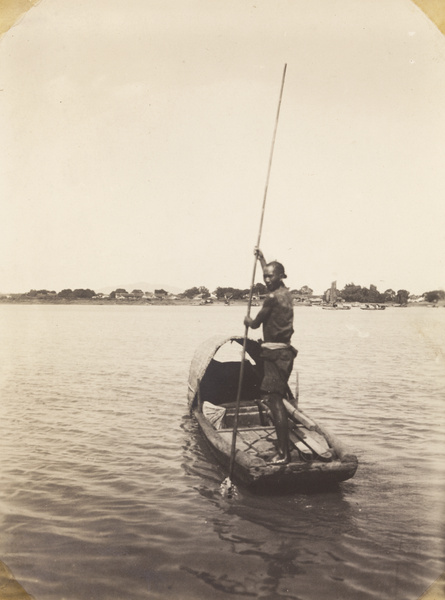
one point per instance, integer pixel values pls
(184, 302)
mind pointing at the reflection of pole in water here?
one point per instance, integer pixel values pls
(274, 542)
(267, 545)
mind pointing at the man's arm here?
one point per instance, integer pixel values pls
(260, 318)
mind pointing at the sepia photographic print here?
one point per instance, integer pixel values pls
(222, 299)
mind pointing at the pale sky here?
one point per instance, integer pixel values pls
(136, 137)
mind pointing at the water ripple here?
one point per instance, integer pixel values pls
(107, 485)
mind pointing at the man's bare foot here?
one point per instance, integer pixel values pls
(279, 460)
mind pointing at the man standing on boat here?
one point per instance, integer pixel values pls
(276, 315)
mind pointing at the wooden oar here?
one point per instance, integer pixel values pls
(308, 436)
(320, 449)
(227, 485)
(298, 416)
(302, 448)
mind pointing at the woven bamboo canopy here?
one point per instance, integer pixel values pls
(204, 355)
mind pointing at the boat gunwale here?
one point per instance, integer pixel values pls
(250, 469)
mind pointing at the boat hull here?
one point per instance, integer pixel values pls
(257, 474)
(318, 458)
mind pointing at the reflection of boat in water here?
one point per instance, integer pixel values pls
(318, 458)
(332, 300)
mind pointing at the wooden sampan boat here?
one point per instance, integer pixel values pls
(318, 458)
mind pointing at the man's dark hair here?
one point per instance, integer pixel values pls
(278, 268)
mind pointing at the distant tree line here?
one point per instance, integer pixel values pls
(79, 293)
(223, 292)
(357, 293)
(66, 294)
(350, 293)
(434, 296)
(371, 295)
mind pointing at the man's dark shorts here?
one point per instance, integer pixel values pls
(277, 369)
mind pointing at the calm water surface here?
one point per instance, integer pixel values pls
(108, 491)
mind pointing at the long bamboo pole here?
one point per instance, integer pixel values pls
(227, 484)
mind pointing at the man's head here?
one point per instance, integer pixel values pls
(273, 275)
